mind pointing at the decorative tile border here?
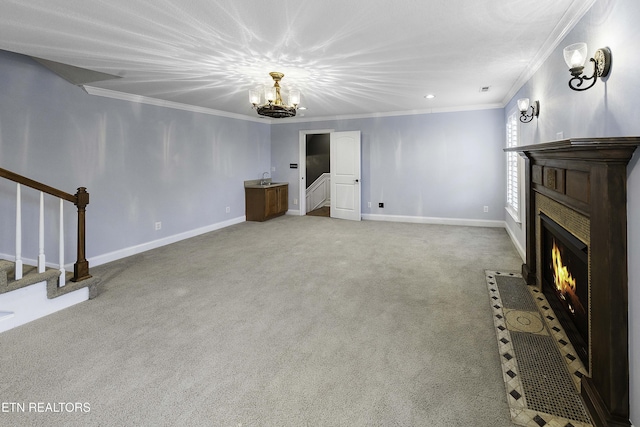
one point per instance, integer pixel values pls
(569, 354)
(516, 397)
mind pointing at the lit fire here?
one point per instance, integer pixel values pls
(565, 282)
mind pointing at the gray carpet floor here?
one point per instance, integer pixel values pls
(291, 322)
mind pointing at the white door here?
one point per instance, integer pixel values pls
(345, 175)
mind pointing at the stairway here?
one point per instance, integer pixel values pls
(318, 194)
(36, 295)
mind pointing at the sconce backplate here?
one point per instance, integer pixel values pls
(602, 58)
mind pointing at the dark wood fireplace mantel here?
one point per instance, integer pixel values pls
(588, 176)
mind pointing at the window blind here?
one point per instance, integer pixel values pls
(513, 200)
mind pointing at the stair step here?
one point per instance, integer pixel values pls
(50, 276)
(31, 302)
(38, 294)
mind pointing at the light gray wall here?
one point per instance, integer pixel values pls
(140, 163)
(444, 165)
(608, 109)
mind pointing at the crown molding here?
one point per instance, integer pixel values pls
(574, 13)
(106, 93)
(391, 113)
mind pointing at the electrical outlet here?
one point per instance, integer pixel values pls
(158, 225)
(273, 168)
(295, 201)
(369, 204)
(486, 208)
(381, 205)
(228, 209)
(559, 135)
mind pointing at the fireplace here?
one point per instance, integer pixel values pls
(565, 282)
(576, 253)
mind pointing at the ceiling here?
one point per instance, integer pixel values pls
(347, 57)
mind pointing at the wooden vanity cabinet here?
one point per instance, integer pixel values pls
(265, 203)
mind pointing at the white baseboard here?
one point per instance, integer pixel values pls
(516, 243)
(33, 261)
(295, 212)
(133, 250)
(434, 220)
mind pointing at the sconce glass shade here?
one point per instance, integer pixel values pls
(294, 97)
(254, 96)
(575, 55)
(523, 104)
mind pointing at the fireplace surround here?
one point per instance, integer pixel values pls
(580, 185)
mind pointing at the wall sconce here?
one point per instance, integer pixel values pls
(576, 54)
(523, 106)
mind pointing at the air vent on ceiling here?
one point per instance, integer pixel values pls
(484, 88)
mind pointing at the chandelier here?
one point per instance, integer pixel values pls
(274, 107)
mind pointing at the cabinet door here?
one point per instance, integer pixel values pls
(283, 199)
(271, 201)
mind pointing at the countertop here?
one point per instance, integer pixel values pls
(255, 183)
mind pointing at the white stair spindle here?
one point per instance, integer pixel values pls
(62, 280)
(41, 236)
(18, 266)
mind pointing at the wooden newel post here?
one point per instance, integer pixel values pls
(81, 267)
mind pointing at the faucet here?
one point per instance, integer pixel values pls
(264, 178)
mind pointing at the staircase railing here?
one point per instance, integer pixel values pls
(80, 199)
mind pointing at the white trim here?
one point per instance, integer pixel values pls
(34, 262)
(133, 250)
(106, 93)
(319, 190)
(434, 220)
(294, 212)
(298, 119)
(516, 243)
(512, 214)
(574, 13)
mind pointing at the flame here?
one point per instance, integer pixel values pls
(564, 281)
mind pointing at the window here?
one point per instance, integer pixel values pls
(513, 181)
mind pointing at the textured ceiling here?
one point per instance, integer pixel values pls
(347, 57)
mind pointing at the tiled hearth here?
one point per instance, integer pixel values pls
(541, 372)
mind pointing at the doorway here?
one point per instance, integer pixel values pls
(302, 164)
(318, 173)
(341, 186)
